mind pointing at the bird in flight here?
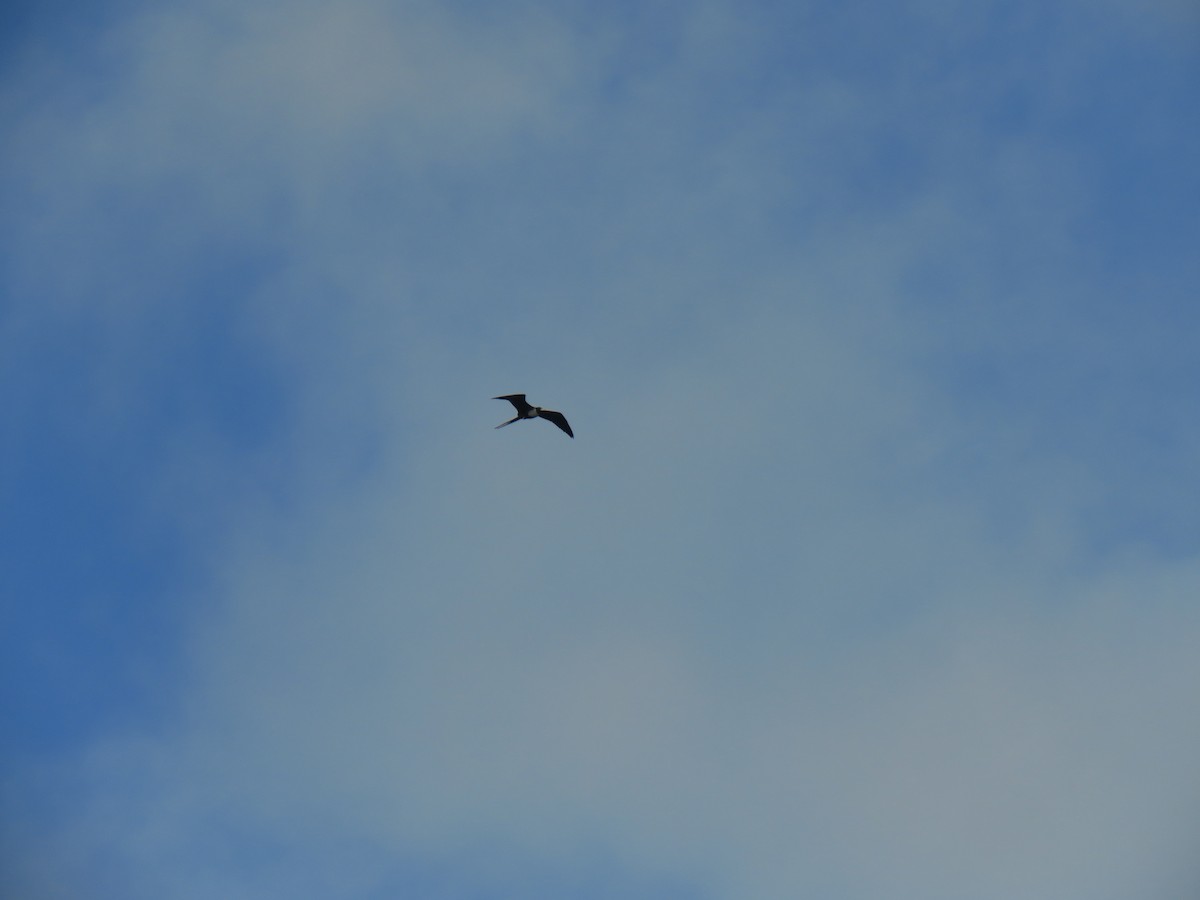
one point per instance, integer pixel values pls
(526, 411)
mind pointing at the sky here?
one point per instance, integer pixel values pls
(873, 569)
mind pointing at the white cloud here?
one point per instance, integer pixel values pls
(786, 617)
(566, 648)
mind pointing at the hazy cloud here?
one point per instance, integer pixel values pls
(869, 572)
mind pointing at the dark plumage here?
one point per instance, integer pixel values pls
(528, 411)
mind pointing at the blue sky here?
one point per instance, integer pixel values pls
(872, 570)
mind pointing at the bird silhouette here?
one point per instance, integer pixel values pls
(527, 411)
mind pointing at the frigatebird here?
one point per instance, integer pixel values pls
(527, 411)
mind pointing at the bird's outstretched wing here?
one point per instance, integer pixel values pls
(558, 419)
(517, 400)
